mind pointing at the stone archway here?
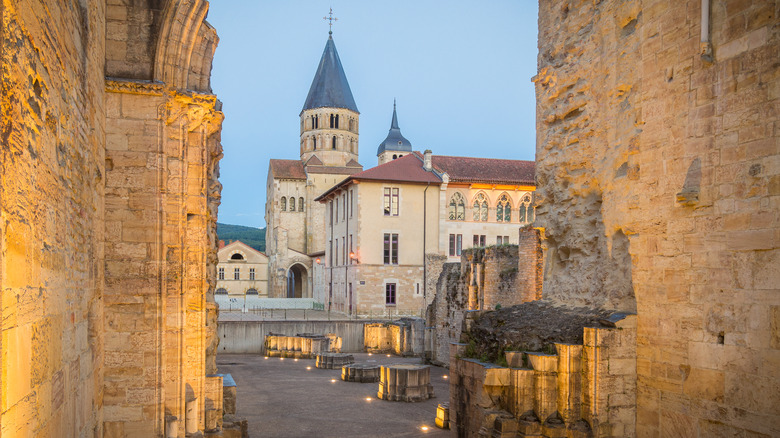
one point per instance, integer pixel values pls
(297, 281)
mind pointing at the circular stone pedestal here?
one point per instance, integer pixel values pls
(405, 382)
(360, 372)
(333, 361)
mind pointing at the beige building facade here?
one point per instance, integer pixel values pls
(241, 271)
(383, 222)
(295, 231)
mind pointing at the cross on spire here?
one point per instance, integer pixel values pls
(330, 19)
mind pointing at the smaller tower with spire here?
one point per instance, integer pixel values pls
(395, 145)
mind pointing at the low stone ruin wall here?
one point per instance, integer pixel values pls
(302, 345)
(582, 390)
(404, 337)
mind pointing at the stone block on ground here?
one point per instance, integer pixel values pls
(405, 382)
(332, 361)
(360, 372)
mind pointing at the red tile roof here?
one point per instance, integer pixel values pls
(405, 169)
(287, 169)
(486, 170)
(408, 168)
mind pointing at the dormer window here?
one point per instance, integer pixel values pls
(236, 256)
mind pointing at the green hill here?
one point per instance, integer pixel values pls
(254, 237)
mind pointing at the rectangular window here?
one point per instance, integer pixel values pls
(236, 274)
(344, 201)
(344, 245)
(350, 248)
(336, 220)
(251, 273)
(506, 240)
(417, 285)
(330, 209)
(456, 244)
(482, 240)
(330, 253)
(351, 202)
(221, 273)
(479, 240)
(390, 294)
(391, 249)
(499, 240)
(336, 254)
(391, 201)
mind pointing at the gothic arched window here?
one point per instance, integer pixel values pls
(292, 203)
(300, 204)
(526, 209)
(504, 209)
(334, 142)
(480, 208)
(457, 207)
(284, 203)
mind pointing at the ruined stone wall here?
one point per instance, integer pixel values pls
(445, 313)
(658, 176)
(579, 390)
(51, 212)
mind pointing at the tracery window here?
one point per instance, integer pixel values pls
(480, 208)
(526, 209)
(504, 209)
(284, 203)
(457, 207)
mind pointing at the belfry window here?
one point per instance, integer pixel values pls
(480, 208)
(337, 122)
(504, 209)
(333, 145)
(284, 203)
(457, 211)
(300, 204)
(314, 139)
(292, 203)
(316, 122)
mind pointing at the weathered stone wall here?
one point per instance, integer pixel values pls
(658, 193)
(445, 313)
(51, 213)
(108, 201)
(581, 390)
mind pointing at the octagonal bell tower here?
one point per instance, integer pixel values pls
(330, 118)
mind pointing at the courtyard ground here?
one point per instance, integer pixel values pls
(282, 398)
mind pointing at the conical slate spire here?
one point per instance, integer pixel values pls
(394, 141)
(330, 87)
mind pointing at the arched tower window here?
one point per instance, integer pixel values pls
(457, 207)
(526, 209)
(332, 121)
(292, 203)
(480, 208)
(334, 142)
(314, 139)
(300, 204)
(504, 209)
(337, 122)
(316, 122)
(284, 203)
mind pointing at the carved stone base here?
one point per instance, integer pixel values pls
(360, 372)
(333, 361)
(405, 382)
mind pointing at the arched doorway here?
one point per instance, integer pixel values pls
(297, 279)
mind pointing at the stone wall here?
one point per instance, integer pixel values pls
(581, 390)
(658, 176)
(108, 204)
(52, 174)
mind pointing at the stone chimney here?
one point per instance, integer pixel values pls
(427, 160)
(221, 244)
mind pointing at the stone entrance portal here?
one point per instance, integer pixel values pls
(297, 279)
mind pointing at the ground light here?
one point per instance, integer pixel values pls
(424, 428)
(295, 360)
(444, 376)
(281, 358)
(266, 358)
(368, 399)
(332, 380)
(308, 368)
(388, 355)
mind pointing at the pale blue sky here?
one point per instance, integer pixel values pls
(461, 72)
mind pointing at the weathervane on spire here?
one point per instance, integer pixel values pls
(330, 19)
